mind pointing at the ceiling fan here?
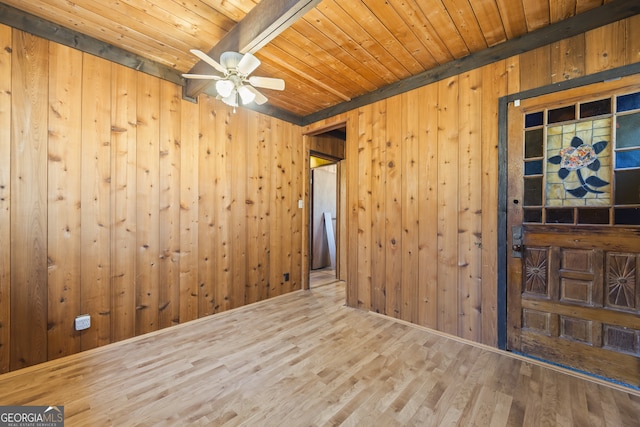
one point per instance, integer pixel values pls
(235, 85)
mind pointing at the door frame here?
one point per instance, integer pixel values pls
(310, 131)
(504, 238)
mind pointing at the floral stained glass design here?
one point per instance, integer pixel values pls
(579, 164)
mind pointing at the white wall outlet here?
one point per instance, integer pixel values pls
(83, 322)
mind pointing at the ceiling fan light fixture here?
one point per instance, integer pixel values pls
(235, 87)
(248, 64)
(231, 100)
(246, 95)
(224, 87)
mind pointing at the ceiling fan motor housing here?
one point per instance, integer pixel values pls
(230, 60)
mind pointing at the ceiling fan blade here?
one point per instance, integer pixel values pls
(201, 76)
(267, 82)
(206, 58)
(248, 64)
(260, 98)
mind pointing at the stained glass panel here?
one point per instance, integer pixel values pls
(628, 159)
(628, 131)
(593, 216)
(534, 119)
(533, 167)
(628, 102)
(627, 216)
(582, 163)
(579, 164)
(595, 108)
(559, 216)
(533, 143)
(628, 187)
(533, 215)
(561, 114)
(533, 191)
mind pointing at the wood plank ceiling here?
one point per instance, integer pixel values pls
(338, 52)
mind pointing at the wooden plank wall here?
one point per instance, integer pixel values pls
(120, 200)
(422, 185)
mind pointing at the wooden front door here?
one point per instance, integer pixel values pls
(574, 229)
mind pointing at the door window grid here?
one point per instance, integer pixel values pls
(582, 163)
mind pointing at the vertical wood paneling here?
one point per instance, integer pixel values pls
(96, 195)
(512, 68)
(29, 200)
(253, 212)
(327, 144)
(133, 173)
(237, 149)
(305, 212)
(140, 200)
(605, 47)
(5, 196)
(494, 79)
(64, 178)
(148, 203)
(410, 205)
(284, 219)
(294, 238)
(393, 207)
(189, 120)
(458, 191)
(277, 194)
(222, 211)
(632, 47)
(206, 217)
(470, 206)
(538, 65)
(297, 218)
(259, 189)
(169, 215)
(365, 131)
(378, 196)
(428, 207)
(448, 146)
(351, 160)
(341, 253)
(267, 170)
(567, 59)
(123, 183)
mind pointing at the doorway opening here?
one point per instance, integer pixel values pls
(327, 192)
(323, 221)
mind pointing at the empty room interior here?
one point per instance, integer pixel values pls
(320, 212)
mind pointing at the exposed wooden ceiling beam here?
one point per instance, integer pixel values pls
(261, 25)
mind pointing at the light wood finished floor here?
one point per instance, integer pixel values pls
(304, 359)
(322, 277)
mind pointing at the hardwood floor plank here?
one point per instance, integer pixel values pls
(304, 359)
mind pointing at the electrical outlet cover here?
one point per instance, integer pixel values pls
(83, 322)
